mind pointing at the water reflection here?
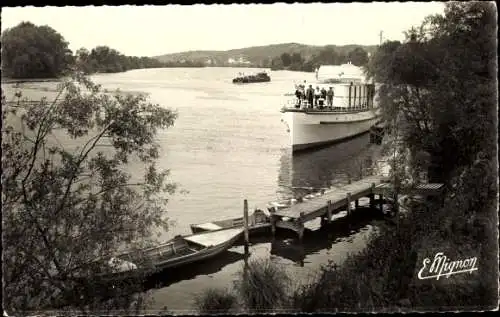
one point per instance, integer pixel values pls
(191, 271)
(341, 229)
(305, 172)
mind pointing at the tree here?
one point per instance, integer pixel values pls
(265, 62)
(448, 103)
(358, 56)
(379, 67)
(296, 58)
(286, 59)
(66, 210)
(328, 55)
(83, 62)
(277, 63)
(30, 51)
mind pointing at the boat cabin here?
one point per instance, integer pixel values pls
(351, 92)
(252, 78)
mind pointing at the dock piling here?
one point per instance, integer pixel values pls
(381, 203)
(329, 212)
(245, 223)
(301, 226)
(272, 218)
(372, 196)
(348, 203)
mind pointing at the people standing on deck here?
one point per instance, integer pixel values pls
(303, 93)
(323, 93)
(317, 95)
(298, 94)
(310, 96)
(329, 97)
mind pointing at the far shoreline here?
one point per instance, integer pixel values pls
(9, 80)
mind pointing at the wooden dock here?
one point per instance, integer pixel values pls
(338, 198)
(335, 200)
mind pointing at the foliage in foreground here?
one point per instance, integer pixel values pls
(216, 301)
(262, 286)
(68, 201)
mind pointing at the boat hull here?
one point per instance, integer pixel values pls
(254, 229)
(201, 255)
(259, 223)
(315, 129)
(251, 81)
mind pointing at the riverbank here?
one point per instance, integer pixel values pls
(6, 80)
(383, 278)
(386, 274)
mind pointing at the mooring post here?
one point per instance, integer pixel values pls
(356, 203)
(302, 254)
(372, 196)
(273, 220)
(301, 226)
(381, 202)
(329, 212)
(396, 202)
(245, 224)
(348, 204)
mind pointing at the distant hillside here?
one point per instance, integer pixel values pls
(258, 54)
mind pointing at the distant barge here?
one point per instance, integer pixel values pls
(257, 78)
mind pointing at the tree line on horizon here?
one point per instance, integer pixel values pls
(328, 55)
(30, 51)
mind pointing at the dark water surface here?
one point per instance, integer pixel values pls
(227, 145)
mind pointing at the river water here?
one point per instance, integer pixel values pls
(229, 144)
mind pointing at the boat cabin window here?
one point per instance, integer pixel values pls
(350, 96)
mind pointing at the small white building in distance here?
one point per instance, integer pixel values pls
(240, 60)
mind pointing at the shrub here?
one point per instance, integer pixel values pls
(214, 300)
(263, 286)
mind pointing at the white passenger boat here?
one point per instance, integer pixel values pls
(352, 112)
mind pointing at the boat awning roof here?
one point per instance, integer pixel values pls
(208, 226)
(215, 237)
(347, 72)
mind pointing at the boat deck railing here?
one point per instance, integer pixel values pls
(307, 108)
(303, 105)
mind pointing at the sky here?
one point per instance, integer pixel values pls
(157, 30)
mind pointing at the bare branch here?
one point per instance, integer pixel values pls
(119, 186)
(83, 156)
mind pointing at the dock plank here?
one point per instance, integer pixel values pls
(337, 196)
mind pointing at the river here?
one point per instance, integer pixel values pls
(229, 144)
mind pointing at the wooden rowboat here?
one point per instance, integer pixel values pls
(257, 222)
(180, 250)
(193, 248)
